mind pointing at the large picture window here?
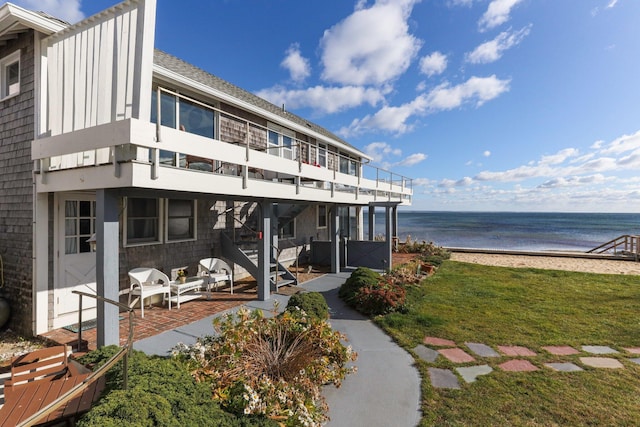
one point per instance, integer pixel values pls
(181, 219)
(10, 75)
(143, 220)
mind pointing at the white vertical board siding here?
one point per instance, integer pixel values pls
(92, 73)
(92, 67)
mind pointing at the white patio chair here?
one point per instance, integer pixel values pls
(146, 282)
(216, 270)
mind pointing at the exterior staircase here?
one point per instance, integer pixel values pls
(626, 246)
(242, 246)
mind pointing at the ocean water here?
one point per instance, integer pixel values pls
(513, 230)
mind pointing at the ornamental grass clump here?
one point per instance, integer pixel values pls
(273, 367)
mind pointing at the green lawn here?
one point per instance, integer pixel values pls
(533, 308)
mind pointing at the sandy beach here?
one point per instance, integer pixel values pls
(601, 266)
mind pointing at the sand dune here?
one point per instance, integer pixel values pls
(600, 266)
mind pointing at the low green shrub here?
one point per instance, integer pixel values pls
(270, 366)
(361, 277)
(161, 392)
(312, 303)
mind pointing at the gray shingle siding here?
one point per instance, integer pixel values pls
(16, 189)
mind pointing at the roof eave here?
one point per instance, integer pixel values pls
(180, 79)
(10, 14)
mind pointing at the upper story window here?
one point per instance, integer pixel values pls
(348, 165)
(10, 75)
(322, 155)
(281, 142)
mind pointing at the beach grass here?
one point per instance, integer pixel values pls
(533, 308)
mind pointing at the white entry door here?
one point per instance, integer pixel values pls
(76, 267)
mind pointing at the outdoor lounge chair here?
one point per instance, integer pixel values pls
(216, 271)
(146, 282)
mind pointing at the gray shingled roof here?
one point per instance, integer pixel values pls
(192, 72)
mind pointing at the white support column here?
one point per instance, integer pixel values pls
(107, 266)
(41, 264)
(335, 240)
(360, 221)
(264, 253)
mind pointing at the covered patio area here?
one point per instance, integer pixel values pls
(159, 318)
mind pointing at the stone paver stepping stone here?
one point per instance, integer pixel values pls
(601, 362)
(481, 350)
(561, 350)
(636, 360)
(443, 378)
(518, 365)
(564, 367)
(515, 350)
(456, 355)
(633, 350)
(470, 373)
(598, 349)
(425, 353)
(439, 342)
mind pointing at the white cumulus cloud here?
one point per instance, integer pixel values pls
(433, 64)
(492, 50)
(371, 46)
(296, 64)
(67, 10)
(324, 99)
(497, 13)
(395, 119)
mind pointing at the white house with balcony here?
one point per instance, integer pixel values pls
(161, 164)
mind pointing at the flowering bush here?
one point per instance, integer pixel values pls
(271, 367)
(385, 296)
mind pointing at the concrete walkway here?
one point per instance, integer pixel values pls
(384, 392)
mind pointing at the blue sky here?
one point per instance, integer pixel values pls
(498, 105)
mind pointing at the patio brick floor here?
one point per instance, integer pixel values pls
(158, 318)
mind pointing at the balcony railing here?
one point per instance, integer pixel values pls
(225, 144)
(233, 129)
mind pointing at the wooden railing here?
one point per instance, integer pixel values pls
(627, 244)
(76, 391)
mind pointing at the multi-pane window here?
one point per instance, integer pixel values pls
(280, 141)
(79, 225)
(143, 220)
(322, 216)
(322, 155)
(180, 219)
(10, 75)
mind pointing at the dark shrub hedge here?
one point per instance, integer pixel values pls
(312, 303)
(361, 277)
(161, 393)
